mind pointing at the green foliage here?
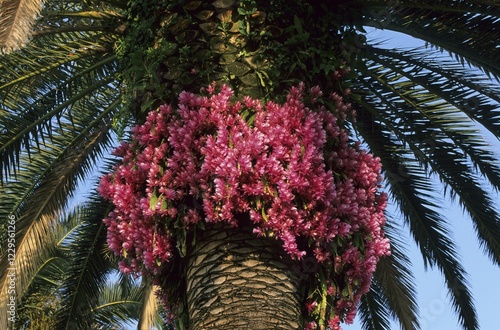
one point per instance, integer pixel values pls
(39, 312)
(139, 53)
(260, 48)
(313, 48)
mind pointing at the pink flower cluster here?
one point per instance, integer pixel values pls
(290, 167)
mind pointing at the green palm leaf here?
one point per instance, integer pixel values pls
(412, 191)
(57, 74)
(465, 29)
(374, 310)
(87, 269)
(441, 136)
(43, 187)
(117, 307)
(392, 293)
(117, 303)
(42, 289)
(392, 296)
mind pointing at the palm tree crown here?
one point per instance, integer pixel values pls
(93, 68)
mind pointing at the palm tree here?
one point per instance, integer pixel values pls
(92, 68)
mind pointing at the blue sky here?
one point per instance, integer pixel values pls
(436, 311)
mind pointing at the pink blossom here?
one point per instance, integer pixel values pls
(294, 170)
(334, 323)
(311, 325)
(311, 306)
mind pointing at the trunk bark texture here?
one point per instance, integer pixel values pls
(236, 280)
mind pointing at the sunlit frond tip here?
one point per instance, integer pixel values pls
(16, 20)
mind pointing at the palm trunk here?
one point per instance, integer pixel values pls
(236, 280)
(191, 45)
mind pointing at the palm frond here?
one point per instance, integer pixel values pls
(16, 20)
(118, 304)
(42, 289)
(88, 267)
(58, 99)
(44, 186)
(410, 101)
(466, 30)
(468, 92)
(413, 192)
(51, 79)
(374, 309)
(117, 307)
(393, 290)
(32, 244)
